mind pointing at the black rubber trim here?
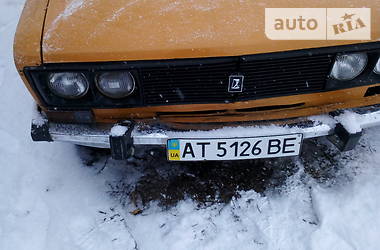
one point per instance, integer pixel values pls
(343, 139)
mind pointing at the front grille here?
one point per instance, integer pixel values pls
(186, 84)
(205, 80)
(208, 82)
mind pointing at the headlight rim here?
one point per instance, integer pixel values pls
(374, 68)
(52, 90)
(96, 79)
(356, 75)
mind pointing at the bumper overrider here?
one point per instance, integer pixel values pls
(342, 130)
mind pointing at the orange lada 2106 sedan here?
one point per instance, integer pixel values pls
(208, 80)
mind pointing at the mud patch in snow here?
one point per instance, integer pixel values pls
(209, 183)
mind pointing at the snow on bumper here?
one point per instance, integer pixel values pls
(97, 137)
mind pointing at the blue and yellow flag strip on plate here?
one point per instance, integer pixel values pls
(174, 153)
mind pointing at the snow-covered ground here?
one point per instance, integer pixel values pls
(50, 200)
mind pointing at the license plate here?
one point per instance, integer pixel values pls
(234, 148)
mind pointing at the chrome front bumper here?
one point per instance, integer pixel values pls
(325, 125)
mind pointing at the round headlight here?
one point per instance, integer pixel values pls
(68, 85)
(377, 67)
(116, 84)
(349, 66)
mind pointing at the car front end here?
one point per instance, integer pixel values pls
(199, 81)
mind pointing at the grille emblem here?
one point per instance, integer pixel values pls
(235, 84)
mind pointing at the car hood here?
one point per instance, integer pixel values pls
(97, 30)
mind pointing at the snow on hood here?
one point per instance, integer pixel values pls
(95, 30)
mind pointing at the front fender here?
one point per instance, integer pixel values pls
(27, 42)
